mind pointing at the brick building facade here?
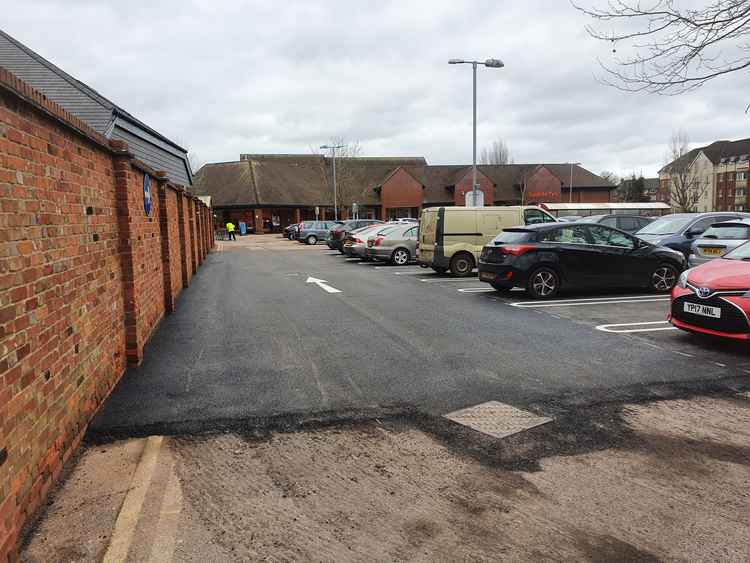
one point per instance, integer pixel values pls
(268, 192)
(85, 277)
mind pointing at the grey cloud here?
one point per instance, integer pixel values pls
(231, 77)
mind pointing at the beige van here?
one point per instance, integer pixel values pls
(451, 238)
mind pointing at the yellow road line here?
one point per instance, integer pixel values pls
(130, 511)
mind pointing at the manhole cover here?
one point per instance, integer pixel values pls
(497, 419)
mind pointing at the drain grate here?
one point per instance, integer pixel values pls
(497, 419)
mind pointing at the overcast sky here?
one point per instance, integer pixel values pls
(223, 78)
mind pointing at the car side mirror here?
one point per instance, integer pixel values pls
(694, 232)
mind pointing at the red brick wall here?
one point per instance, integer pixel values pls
(81, 288)
(543, 186)
(464, 185)
(401, 190)
(590, 196)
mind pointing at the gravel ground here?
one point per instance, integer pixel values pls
(665, 480)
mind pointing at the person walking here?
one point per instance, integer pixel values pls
(230, 231)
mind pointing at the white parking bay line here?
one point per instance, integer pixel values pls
(441, 280)
(476, 290)
(623, 328)
(411, 273)
(577, 303)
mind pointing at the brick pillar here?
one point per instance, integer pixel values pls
(199, 223)
(166, 244)
(183, 236)
(298, 215)
(121, 162)
(198, 246)
(191, 222)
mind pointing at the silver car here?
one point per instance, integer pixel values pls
(355, 245)
(397, 245)
(719, 239)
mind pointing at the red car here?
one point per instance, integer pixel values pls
(714, 298)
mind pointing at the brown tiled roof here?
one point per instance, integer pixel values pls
(582, 178)
(228, 183)
(306, 180)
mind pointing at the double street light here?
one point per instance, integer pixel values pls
(335, 196)
(490, 63)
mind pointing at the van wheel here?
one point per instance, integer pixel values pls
(312, 239)
(543, 283)
(400, 257)
(462, 264)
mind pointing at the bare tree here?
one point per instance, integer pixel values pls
(349, 187)
(496, 153)
(686, 187)
(675, 49)
(194, 162)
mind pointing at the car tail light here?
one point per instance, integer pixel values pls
(358, 240)
(378, 240)
(516, 249)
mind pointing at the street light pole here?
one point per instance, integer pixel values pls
(570, 185)
(490, 63)
(335, 195)
(474, 142)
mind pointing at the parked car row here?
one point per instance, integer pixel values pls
(526, 247)
(310, 232)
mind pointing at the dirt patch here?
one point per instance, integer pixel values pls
(660, 481)
(671, 486)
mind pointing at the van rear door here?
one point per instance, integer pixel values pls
(427, 234)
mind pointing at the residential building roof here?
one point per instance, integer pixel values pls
(306, 180)
(101, 114)
(718, 152)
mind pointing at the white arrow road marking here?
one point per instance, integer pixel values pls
(622, 328)
(322, 284)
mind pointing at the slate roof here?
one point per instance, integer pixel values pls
(306, 180)
(721, 149)
(95, 110)
(715, 152)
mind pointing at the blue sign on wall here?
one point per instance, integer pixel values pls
(147, 194)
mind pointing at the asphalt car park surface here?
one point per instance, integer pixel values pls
(267, 332)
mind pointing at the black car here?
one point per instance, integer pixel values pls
(337, 235)
(545, 258)
(627, 223)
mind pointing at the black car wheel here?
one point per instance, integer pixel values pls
(312, 239)
(543, 283)
(663, 278)
(400, 257)
(462, 264)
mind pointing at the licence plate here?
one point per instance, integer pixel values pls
(702, 310)
(712, 250)
(487, 276)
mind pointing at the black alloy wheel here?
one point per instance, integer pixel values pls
(663, 278)
(543, 283)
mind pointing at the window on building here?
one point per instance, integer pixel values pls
(741, 175)
(739, 192)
